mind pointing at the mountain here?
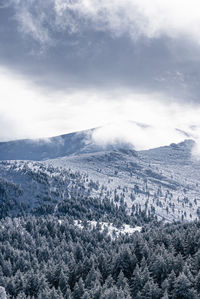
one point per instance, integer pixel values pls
(161, 182)
(53, 147)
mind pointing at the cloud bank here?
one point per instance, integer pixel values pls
(152, 121)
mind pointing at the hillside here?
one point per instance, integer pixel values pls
(99, 222)
(162, 182)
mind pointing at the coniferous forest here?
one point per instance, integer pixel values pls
(50, 257)
(63, 235)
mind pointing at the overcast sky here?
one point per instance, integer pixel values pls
(68, 65)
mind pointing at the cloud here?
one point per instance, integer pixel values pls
(151, 19)
(28, 112)
(132, 134)
(103, 45)
(160, 129)
(172, 18)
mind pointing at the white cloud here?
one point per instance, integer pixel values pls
(19, 106)
(132, 134)
(27, 112)
(173, 18)
(166, 124)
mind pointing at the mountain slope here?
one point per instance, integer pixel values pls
(162, 181)
(28, 187)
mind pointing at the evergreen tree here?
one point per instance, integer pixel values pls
(63, 282)
(171, 283)
(78, 289)
(183, 288)
(151, 291)
(136, 281)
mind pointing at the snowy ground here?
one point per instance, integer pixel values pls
(111, 230)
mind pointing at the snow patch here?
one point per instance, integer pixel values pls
(110, 228)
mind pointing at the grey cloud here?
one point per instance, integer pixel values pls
(118, 17)
(74, 47)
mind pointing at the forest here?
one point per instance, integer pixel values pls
(49, 257)
(50, 247)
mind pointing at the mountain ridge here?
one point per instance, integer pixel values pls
(54, 147)
(74, 143)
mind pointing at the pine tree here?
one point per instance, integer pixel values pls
(68, 294)
(187, 272)
(183, 288)
(95, 292)
(159, 269)
(18, 281)
(136, 281)
(78, 289)
(63, 282)
(103, 266)
(122, 284)
(91, 278)
(121, 281)
(151, 290)
(32, 284)
(171, 283)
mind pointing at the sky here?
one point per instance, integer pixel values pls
(129, 67)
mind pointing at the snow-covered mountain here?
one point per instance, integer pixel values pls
(162, 181)
(53, 147)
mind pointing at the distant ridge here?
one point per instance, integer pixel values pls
(47, 148)
(53, 147)
(81, 142)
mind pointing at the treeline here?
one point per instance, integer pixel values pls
(49, 257)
